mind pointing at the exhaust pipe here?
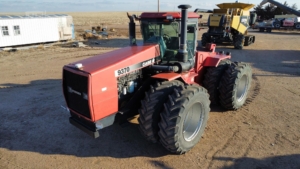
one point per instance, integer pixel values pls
(183, 63)
(132, 37)
(182, 52)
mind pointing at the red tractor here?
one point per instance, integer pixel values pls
(165, 80)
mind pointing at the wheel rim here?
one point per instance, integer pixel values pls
(242, 88)
(193, 122)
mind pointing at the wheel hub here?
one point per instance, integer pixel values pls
(242, 88)
(193, 121)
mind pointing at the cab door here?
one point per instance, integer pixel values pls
(289, 22)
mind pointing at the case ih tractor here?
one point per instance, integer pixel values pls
(230, 24)
(164, 80)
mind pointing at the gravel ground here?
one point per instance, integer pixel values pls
(35, 132)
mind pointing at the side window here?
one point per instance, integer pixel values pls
(4, 30)
(17, 30)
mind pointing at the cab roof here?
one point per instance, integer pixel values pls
(175, 15)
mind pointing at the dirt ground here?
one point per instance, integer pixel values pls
(264, 134)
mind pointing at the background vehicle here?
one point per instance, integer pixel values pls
(230, 24)
(293, 22)
(267, 25)
(279, 21)
(160, 80)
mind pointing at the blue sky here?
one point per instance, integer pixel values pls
(111, 5)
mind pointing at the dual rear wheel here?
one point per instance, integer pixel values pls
(176, 115)
(228, 84)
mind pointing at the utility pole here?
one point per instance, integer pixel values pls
(157, 5)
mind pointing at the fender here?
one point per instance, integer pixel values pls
(215, 60)
(207, 59)
(187, 77)
(167, 76)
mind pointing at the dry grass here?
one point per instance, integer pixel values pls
(117, 27)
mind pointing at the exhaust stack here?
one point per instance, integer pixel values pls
(182, 52)
(132, 37)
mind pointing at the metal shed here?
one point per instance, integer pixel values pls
(30, 29)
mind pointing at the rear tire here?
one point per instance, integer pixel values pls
(234, 85)
(151, 107)
(297, 26)
(184, 119)
(205, 39)
(277, 25)
(212, 80)
(261, 29)
(249, 39)
(239, 41)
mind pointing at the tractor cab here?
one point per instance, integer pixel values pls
(164, 28)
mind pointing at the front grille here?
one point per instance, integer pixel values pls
(75, 86)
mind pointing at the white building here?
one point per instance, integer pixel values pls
(30, 29)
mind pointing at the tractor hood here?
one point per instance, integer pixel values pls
(235, 5)
(97, 77)
(116, 59)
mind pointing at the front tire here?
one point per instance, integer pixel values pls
(205, 39)
(184, 119)
(151, 107)
(235, 85)
(239, 41)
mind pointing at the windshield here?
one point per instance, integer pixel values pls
(165, 34)
(168, 31)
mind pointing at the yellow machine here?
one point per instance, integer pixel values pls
(230, 24)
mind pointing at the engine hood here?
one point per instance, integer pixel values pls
(101, 73)
(117, 59)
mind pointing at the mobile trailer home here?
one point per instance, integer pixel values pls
(30, 29)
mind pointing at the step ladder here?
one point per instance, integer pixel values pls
(228, 21)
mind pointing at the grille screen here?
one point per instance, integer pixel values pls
(75, 86)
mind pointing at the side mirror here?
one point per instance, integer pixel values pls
(200, 16)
